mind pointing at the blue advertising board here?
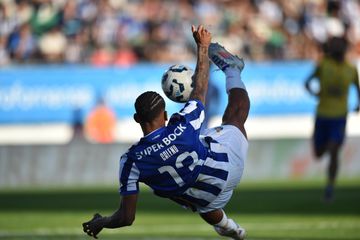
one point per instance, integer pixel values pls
(34, 94)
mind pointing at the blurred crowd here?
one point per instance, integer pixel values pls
(124, 32)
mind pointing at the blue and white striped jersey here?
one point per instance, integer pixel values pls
(175, 162)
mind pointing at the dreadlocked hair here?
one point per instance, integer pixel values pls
(149, 105)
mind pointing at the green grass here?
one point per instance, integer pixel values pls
(268, 211)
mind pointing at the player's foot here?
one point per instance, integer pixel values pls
(224, 59)
(239, 233)
(329, 193)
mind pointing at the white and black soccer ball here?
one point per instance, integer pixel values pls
(177, 83)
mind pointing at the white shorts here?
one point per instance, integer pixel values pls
(236, 146)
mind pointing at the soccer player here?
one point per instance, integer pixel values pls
(335, 76)
(197, 172)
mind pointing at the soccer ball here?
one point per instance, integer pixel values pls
(177, 83)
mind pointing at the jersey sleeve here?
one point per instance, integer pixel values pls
(128, 176)
(192, 114)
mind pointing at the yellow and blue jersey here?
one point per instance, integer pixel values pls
(335, 79)
(175, 162)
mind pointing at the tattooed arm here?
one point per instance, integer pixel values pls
(201, 76)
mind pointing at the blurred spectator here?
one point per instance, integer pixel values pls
(125, 56)
(4, 57)
(24, 11)
(102, 57)
(76, 49)
(52, 45)
(100, 123)
(123, 32)
(106, 25)
(21, 43)
(46, 17)
(71, 22)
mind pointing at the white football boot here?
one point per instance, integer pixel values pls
(224, 59)
(239, 233)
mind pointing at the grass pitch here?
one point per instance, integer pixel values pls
(279, 211)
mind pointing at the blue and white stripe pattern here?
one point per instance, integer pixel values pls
(129, 176)
(174, 163)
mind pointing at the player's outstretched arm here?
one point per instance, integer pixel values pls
(124, 216)
(202, 38)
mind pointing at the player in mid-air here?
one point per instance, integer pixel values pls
(198, 172)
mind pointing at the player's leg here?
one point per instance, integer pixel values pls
(223, 225)
(237, 110)
(322, 144)
(213, 213)
(332, 171)
(320, 137)
(235, 115)
(334, 149)
(336, 136)
(227, 139)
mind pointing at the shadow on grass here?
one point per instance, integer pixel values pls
(247, 201)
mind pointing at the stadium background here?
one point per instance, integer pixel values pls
(61, 61)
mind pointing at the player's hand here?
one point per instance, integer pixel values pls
(201, 35)
(94, 226)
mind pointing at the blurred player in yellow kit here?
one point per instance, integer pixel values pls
(335, 76)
